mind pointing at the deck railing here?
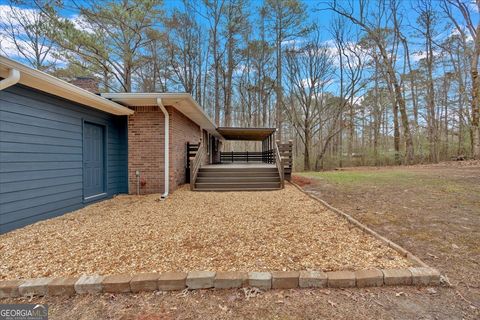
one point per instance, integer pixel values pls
(247, 156)
(279, 165)
(267, 156)
(286, 153)
(192, 149)
(196, 163)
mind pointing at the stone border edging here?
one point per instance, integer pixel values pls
(177, 281)
(404, 252)
(422, 274)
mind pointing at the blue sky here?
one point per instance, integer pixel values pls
(314, 7)
(315, 15)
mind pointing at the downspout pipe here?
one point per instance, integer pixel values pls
(167, 148)
(13, 78)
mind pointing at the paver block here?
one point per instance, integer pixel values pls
(117, 283)
(9, 288)
(312, 279)
(62, 286)
(425, 276)
(144, 282)
(260, 280)
(34, 287)
(173, 281)
(393, 277)
(227, 280)
(341, 279)
(285, 279)
(369, 278)
(89, 284)
(200, 279)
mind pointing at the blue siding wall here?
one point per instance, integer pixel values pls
(41, 155)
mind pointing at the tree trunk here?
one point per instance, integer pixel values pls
(476, 96)
(351, 133)
(216, 80)
(431, 116)
(228, 86)
(279, 90)
(409, 149)
(308, 147)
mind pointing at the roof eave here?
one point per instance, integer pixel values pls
(183, 102)
(46, 83)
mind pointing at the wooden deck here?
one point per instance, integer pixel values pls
(240, 171)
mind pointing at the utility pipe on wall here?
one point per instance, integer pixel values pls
(167, 147)
(13, 78)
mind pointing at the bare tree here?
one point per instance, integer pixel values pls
(182, 50)
(388, 60)
(351, 62)
(309, 71)
(473, 31)
(426, 22)
(235, 25)
(286, 18)
(215, 12)
(26, 30)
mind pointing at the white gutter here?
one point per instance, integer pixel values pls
(167, 148)
(13, 78)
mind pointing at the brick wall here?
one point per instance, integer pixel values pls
(146, 148)
(182, 131)
(87, 83)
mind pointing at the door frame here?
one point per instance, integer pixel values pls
(104, 194)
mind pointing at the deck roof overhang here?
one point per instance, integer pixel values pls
(246, 134)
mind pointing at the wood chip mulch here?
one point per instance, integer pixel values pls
(230, 231)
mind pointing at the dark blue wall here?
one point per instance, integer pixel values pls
(41, 155)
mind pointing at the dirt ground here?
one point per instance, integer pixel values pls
(234, 231)
(433, 211)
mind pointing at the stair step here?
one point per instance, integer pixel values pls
(237, 174)
(236, 189)
(241, 179)
(217, 169)
(226, 185)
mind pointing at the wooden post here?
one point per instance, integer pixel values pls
(270, 149)
(262, 151)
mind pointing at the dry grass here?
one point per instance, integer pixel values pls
(276, 230)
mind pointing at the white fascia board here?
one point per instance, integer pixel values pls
(46, 83)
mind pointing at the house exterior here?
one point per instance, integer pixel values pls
(146, 134)
(63, 147)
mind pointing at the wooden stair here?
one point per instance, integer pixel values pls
(246, 178)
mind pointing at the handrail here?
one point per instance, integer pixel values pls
(195, 164)
(279, 164)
